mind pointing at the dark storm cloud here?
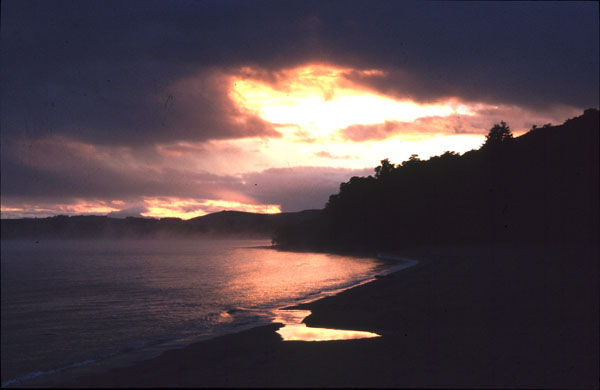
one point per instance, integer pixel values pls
(108, 184)
(131, 73)
(38, 176)
(534, 53)
(100, 70)
(60, 169)
(63, 171)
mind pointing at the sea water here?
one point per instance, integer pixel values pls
(68, 304)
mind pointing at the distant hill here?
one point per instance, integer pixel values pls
(225, 223)
(540, 187)
(242, 223)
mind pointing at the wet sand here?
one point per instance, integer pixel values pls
(465, 316)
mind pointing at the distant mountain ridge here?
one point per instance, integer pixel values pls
(224, 223)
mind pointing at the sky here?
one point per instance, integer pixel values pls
(183, 108)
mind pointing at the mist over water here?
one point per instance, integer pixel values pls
(70, 303)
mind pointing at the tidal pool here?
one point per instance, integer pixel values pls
(295, 330)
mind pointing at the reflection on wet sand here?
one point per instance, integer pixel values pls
(295, 330)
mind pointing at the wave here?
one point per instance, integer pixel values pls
(227, 321)
(121, 351)
(37, 374)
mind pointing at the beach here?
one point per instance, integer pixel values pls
(464, 316)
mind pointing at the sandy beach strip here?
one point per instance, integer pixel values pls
(464, 316)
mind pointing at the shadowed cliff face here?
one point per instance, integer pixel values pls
(539, 187)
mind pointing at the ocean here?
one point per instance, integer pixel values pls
(73, 304)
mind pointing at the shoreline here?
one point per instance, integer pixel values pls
(465, 316)
(99, 366)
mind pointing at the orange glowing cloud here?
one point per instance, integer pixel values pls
(267, 141)
(163, 207)
(190, 208)
(77, 207)
(318, 103)
(330, 115)
(319, 100)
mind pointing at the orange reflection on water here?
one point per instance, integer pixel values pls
(295, 330)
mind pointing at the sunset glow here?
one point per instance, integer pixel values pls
(199, 170)
(164, 207)
(295, 134)
(321, 125)
(320, 100)
(189, 208)
(79, 207)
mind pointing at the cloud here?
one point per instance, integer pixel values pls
(325, 154)
(58, 167)
(298, 188)
(371, 132)
(67, 172)
(143, 72)
(435, 50)
(134, 211)
(20, 208)
(478, 121)
(122, 108)
(133, 99)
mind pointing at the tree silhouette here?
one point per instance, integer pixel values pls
(413, 159)
(511, 189)
(384, 169)
(498, 134)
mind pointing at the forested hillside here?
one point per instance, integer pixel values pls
(539, 187)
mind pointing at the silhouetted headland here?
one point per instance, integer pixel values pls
(541, 187)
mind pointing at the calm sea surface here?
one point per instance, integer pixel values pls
(68, 304)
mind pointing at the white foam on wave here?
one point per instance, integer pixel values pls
(406, 263)
(37, 374)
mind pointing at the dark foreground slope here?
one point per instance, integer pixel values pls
(475, 317)
(537, 188)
